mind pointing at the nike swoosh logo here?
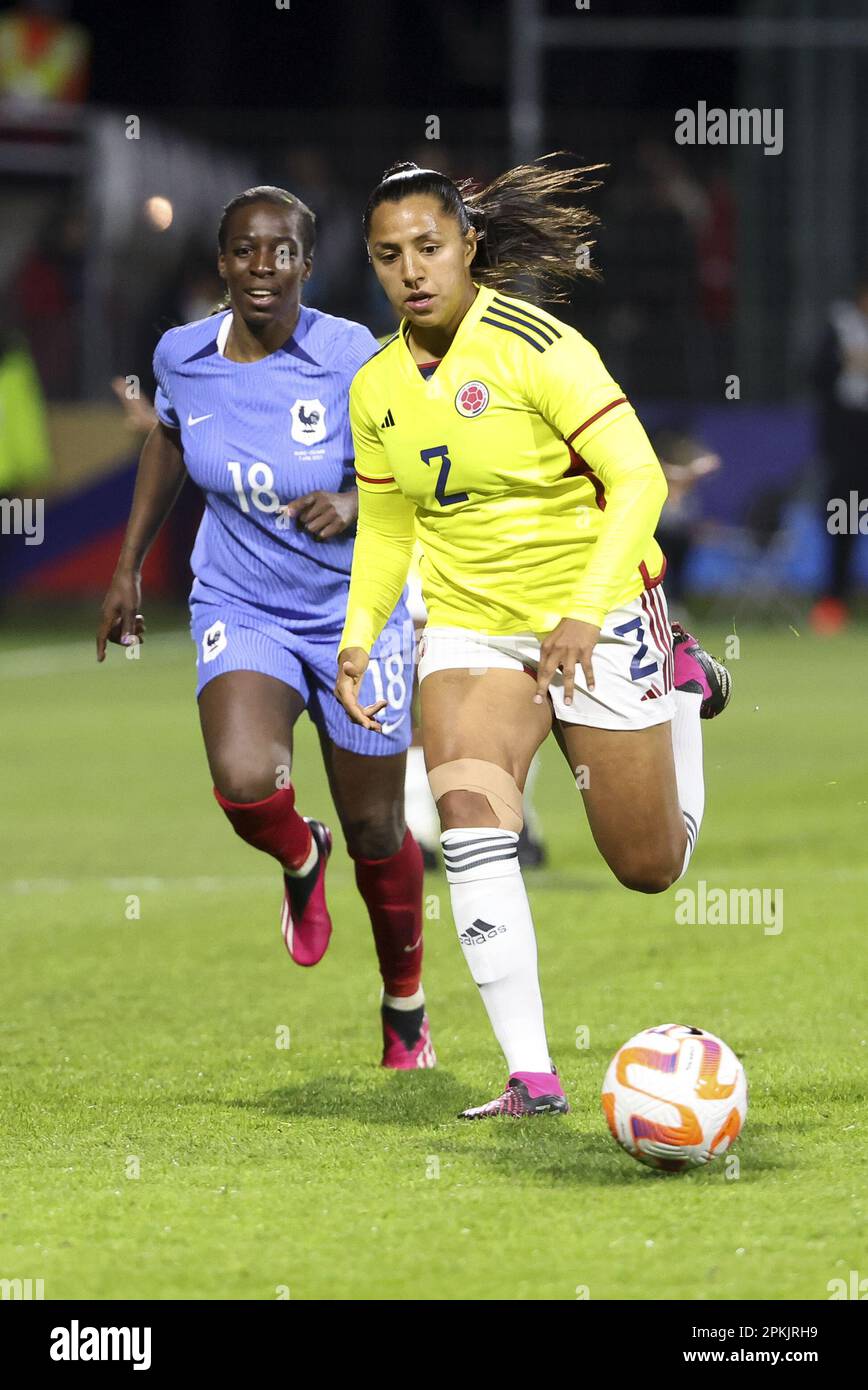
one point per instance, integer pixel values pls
(415, 946)
(387, 728)
(197, 419)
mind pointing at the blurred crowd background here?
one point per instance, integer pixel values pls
(733, 303)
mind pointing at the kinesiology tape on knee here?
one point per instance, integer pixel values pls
(498, 786)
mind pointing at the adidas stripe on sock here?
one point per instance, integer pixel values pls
(495, 928)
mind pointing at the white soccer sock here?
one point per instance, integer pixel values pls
(420, 808)
(687, 748)
(404, 1003)
(495, 928)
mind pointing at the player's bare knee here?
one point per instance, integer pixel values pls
(475, 792)
(649, 882)
(643, 875)
(460, 808)
(246, 784)
(376, 836)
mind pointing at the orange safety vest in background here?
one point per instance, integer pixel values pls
(42, 60)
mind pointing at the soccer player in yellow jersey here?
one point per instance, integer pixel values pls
(491, 431)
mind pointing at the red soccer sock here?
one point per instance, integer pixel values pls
(272, 825)
(392, 891)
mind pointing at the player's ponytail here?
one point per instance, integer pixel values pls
(531, 228)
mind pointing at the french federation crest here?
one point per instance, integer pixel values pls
(308, 422)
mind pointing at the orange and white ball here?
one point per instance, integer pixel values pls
(675, 1097)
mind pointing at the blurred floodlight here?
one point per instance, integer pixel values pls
(159, 213)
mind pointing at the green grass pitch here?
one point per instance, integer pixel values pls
(156, 1142)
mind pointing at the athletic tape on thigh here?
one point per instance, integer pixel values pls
(497, 785)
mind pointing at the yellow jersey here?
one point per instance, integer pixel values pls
(518, 466)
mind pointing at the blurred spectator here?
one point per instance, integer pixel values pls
(716, 249)
(684, 461)
(47, 295)
(338, 256)
(200, 292)
(25, 451)
(44, 57)
(192, 293)
(139, 413)
(648, 251)
(841, 382)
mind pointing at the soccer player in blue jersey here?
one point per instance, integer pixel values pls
(252, 404)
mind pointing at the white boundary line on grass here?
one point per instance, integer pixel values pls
(63, 658)
(205, 883)
(212, 883)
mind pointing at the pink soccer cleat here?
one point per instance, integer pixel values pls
(305, 922)
(411, 1051)
(527, 1093)
(700, 673)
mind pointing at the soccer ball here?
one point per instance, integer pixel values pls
(675, 1097)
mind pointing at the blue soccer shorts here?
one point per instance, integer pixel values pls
(233, 636)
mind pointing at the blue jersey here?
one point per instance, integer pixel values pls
(255, 435)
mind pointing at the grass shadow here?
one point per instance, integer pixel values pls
(415, 1099)
(571, 1150)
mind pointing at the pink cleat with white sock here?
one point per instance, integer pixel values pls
(527, 1093)
(697, 672)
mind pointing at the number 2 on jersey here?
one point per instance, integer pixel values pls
(637, 670)
(442, 453)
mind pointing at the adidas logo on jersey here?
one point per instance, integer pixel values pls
(480, 931)
(389, 420)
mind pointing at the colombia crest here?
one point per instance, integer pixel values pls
(471, 398)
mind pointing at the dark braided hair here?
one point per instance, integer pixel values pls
(267, 193)
(528, 223)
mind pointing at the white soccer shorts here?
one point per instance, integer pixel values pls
(632, 661)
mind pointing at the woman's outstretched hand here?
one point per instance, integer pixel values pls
(120, 620)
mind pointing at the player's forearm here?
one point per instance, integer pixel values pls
(159, 479)
(635, 492)
(381, 559)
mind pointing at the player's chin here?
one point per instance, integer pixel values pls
(259, 311)
(255, 314)
(426, 318)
